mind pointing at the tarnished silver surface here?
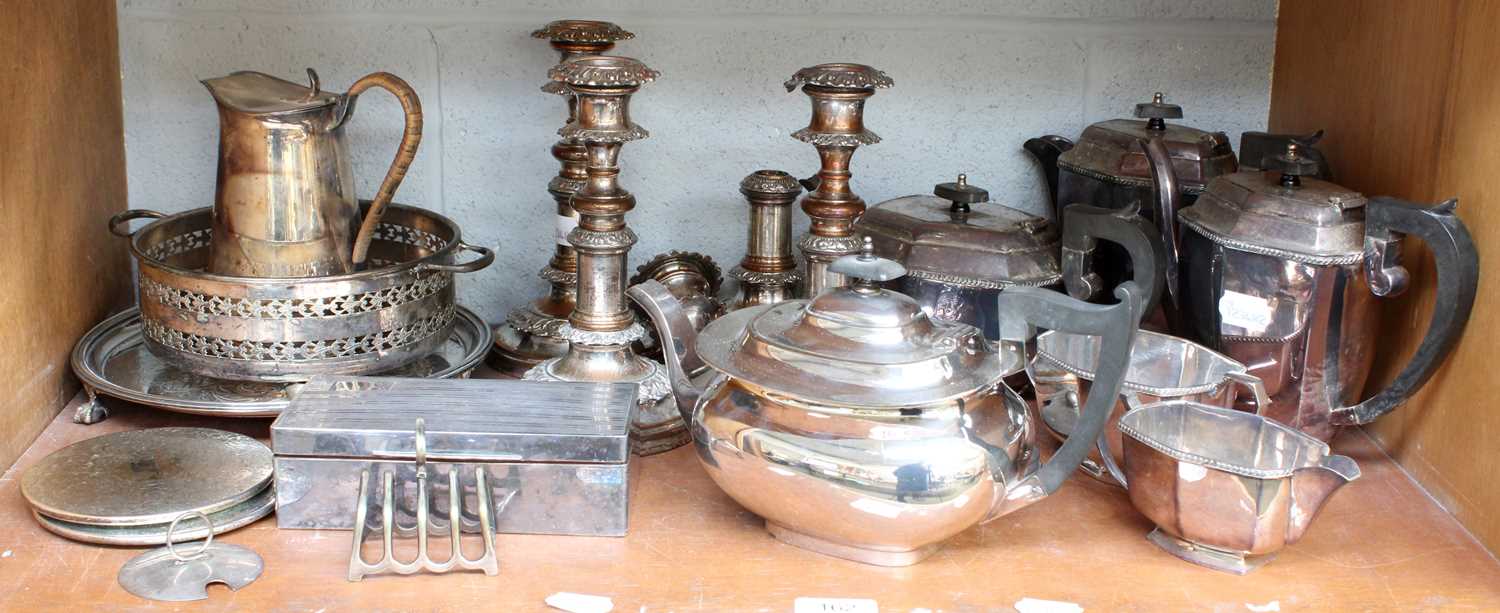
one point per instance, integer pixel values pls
(768, 273)
(560, 451)
(181, 575)
(530, 334)
(1228, 488)
(112, 360)
(144, 477)
(268, 329)
(1315, 222)
(284, 202)
(1162, 367)
(603, 326)
(960, 250)
(838, 92)
(237, 516)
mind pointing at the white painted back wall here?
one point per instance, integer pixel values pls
(974, 79)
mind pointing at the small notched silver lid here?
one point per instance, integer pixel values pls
(1282, 212)
(258, 93)
(465, 419)
(859, 346)
(957, 237)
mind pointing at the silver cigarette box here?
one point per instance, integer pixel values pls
(556, 455)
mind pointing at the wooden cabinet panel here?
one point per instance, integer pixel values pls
(62, 173)
(1407, 93)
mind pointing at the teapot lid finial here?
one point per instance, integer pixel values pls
(1157, 111)
(1292, 164)
(866, 268)
(960, 194)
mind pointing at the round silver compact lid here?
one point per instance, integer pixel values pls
(146, 477)
(856, 346)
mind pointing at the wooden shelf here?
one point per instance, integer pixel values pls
(1381, 544)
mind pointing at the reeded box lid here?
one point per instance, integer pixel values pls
(472, 420)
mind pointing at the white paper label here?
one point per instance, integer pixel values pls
(1245, 311)
(580, 603)
(834, 605)
(565, 225)
(1037, 605)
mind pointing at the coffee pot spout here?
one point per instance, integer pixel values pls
(1311, 487)
(678, 341)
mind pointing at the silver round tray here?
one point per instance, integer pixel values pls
(147, 477)
(112, 360)
(237, 516)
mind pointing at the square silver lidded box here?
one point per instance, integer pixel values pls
(556, 455)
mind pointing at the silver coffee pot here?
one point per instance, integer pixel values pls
(1280, 271)
(860, 427)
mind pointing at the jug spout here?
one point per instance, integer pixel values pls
(678, 341)
(1046, 150)
(1311, 487)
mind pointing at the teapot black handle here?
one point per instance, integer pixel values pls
(1386, 221)
(1115, 325)
(1046, 150)
(1084, 224)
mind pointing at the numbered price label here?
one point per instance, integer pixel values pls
(835, 605)
(1252, 313)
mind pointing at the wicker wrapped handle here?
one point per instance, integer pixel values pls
(404, 156)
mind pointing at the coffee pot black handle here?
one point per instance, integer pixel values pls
(1387, 220)
(1023, 309)
(1083, 226)
(1046, 150)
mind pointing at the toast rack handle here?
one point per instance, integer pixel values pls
(119, 221)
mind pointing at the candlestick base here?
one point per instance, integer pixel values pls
(657, 426)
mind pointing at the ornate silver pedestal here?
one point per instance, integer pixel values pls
(533, 332)
(838, 93)
(602, 327)
(768, 273)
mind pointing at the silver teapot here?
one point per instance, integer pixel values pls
(859, 427)
(960, 250)
(1280, 272)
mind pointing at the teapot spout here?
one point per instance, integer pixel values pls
(678, 341)
(1311, 487)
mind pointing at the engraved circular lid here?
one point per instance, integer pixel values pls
(146, 477)
(238, 516)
